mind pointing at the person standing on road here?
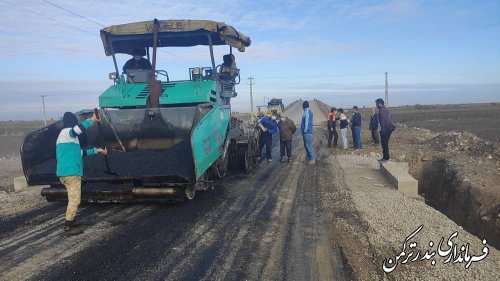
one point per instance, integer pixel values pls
(70, 165)
(374, 127)
(332, 130)
(356, 128)
(306, 128)
(287, 129)
(268, 127)
(344, 123)
(386, 128)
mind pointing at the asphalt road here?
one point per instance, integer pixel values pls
(263, 226)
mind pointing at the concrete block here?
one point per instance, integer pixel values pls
(20, 183)
(397, 174)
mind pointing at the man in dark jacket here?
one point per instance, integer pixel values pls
(374, 126)
(137, 61)
(332, 130)
(268, 128)
(386, 128)
(287, 129)
(356, 128)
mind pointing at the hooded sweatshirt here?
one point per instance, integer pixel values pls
(68, 152)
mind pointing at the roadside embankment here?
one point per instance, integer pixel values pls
(382, 218)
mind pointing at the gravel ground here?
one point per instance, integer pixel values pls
(390, 217)
(11, 202)
(9, 169)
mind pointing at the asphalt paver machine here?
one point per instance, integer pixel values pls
(166, 139)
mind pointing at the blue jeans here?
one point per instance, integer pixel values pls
(344, 138)
(308, 145)
(356, 131)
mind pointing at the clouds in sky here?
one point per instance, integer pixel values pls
(305, 44)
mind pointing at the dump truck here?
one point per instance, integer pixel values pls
(166, 139)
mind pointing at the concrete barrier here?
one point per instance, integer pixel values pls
(397, 174)
(20, 183)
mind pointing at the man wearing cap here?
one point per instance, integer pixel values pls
(287, 129)
(306, 127)
(137, 62)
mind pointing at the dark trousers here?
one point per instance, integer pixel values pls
(375, 137)
(384, 138)
(286, 145)
(267, 140)
(333, 134)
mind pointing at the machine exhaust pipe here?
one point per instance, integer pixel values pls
(142, 192)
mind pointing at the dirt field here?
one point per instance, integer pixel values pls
(483, 120)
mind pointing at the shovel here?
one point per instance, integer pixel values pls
(108, 170)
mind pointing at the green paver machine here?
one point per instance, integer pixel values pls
(166, 139)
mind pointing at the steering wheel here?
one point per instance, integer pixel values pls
(163, 73)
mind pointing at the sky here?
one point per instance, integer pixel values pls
(435, 52)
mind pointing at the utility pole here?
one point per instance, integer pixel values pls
(251, 98)
(386, 91)
(44, 114)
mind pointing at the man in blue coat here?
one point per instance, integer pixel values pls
(306, 127)
(268, 127)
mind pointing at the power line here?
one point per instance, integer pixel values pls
(69, 25)
(76, 14)
(371, 74)
(449, 73)
(317, 76)
(100, 24)
(45, 17)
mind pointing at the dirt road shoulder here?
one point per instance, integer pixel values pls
(371, 220)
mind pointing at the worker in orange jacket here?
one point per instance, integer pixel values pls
(332, 130)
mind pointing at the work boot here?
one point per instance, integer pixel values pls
(70, 228)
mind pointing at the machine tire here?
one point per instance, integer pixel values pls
(250, 160)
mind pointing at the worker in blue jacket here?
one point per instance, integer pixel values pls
(70, 165)
(268, 126)
(306, 127)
